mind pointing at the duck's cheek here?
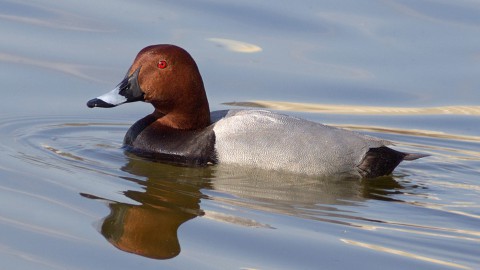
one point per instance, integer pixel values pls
(147, 98)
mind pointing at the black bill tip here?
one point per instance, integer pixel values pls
(99, 103)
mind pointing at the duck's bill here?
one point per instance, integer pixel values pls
(127, 91)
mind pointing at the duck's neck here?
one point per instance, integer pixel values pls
(186, 117)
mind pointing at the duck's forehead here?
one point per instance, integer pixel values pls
(156, 55)
(146, 56)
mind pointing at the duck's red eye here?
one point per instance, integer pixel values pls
(162, 64)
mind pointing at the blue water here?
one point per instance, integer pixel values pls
(70, 198)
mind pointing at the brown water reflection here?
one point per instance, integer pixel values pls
(171, 196)
(150, 227)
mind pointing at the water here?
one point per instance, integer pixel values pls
(72, 199)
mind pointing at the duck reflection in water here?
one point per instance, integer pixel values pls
(172, 196)
(150, 228)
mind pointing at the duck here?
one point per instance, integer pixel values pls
(183, 131)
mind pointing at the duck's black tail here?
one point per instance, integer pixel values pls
(382, 161)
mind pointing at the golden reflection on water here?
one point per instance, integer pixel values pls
(461, 154)
(413, 228)
(236, 46)
(414, 132)
(403, 253)
(364, 110)
(444, 208)
(245, 222)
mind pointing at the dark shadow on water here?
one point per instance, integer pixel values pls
(171, 195)
(381, 188)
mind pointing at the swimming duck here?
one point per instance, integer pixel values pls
(182, 130)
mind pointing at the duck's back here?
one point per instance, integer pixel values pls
(280, 142)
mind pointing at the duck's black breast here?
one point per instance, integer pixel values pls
(193, 148)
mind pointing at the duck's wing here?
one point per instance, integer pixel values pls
(280, 142)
